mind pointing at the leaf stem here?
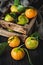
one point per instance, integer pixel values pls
(28, 56)
(21, 46)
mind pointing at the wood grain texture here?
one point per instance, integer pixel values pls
(12, 26)
(18, 28)
(8, 34)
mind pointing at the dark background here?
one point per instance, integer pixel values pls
(36, 55)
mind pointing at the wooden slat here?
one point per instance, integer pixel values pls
(8, 34)
(15, 27)
(30, 25)
(12, 26)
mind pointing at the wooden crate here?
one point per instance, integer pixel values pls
(21, 31)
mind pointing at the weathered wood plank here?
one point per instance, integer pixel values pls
(15, 27)
(30, 25)
(12, 26)
(8, 34)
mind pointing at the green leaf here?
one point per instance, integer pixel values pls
(21, 8)
(14, 15)
(16, 2)
(3, 45)
(36, 35)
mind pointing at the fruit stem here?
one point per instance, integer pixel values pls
(28, 56)
(21, 46)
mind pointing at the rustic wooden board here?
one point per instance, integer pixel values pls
(18, 28)
(8, 34)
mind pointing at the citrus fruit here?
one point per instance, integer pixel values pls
(22, 19)
(31, 43)
(17, 53)
(8, 18)
(31, 13)
(13, 8)
(14, 41)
